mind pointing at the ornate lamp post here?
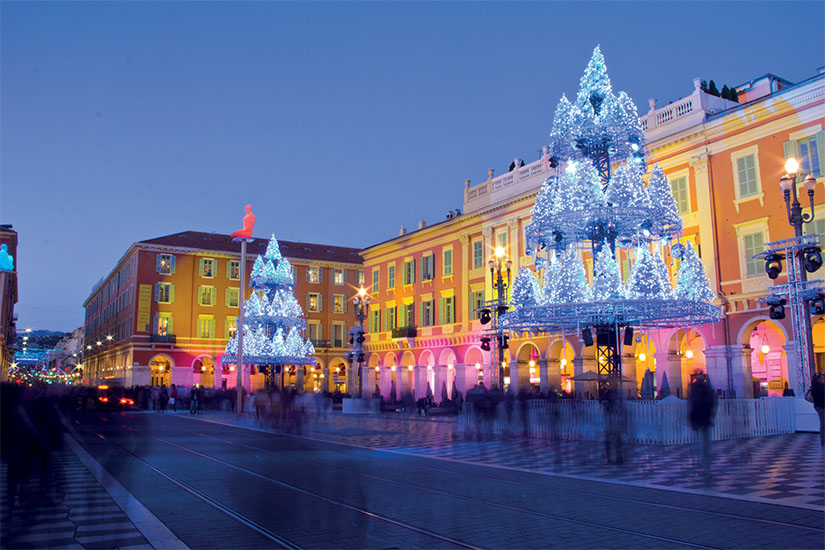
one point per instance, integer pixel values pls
(796, 218)
(500, 287)
(361, 301)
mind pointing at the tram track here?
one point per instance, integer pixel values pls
(244, 519)
(469, 499)
(553, 487)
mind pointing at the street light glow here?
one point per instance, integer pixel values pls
(499, 252)
(791, 166)
(362, 292)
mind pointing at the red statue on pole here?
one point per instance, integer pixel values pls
(248, 225)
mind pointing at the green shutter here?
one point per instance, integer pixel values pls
(214, 294)
(320, 302)
(790, 149)
(173, 263)
(200, 267)
(228, 269)
(157, 292)
(228, 297)
(157, 263)
(169, 328)
(171, 293)
(320, 274)
(344, 300)
(412, 271)
(441, 311)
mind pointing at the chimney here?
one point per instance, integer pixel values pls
(422, 224)
(402, 231)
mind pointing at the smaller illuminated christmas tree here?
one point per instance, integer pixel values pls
(572, 282)
(525, 291)
(692, 281)
(607, 281)
(649, 278)
(550, 281)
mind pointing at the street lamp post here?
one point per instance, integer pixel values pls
(500, 287)
(361, 301)
(797, 218)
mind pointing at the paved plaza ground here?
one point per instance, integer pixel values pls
(83, 506)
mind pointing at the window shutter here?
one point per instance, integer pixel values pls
(171, 293)
(211, 328)
(227, 297)
(320, 302)
(157, 292)
(345, 275)
(441, 311)
(157, 263)
(169, 328)
(790, 148)
(307, 273)
(172, 266)
(421, 314)
(214, 295)
(320, 274)
(820, 148)
(200, 267)
(228, 270)
(412, 271)
(345, 302)
(308, 302)
(155, 324)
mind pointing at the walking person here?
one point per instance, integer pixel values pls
(163, 398)
(702, 406)
(194, 405)
(173, 398)
(818, 396)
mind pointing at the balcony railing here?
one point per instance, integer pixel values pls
(404, 332)
(320, 343)
(166, 339)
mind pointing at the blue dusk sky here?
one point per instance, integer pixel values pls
(339, 122)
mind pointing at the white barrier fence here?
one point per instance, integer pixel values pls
(660, 422)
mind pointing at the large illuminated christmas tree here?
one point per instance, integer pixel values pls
(598, 205)
(274, 322)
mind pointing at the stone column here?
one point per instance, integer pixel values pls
(544, 383)
(699, 163)
(487, 246)
(440, 378)
(385, 382)
(420, 374)
(367, 381)
(465, 378)
(797, 380)
(513, 242)
(716, 367)
(742, 373)
(553, 369)
(461, 305)
(299, 378)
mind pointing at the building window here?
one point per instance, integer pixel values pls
(339, 276)
(408, 273)
(233, 270)
(746, 177)
(427, 267)
(501, 239)
(476, 302)
(230, 327)
(478, 254)
(233, 297)
(337, 335)
(391, 276)
(817, 227)
(807, 153)
(447, 268)
(339, 303)
(407, 318)
(427, 313)
(376, 274)
(165, 264)
(446, 312)
(389, 318)
(206, 267)
(206, 295)
(315, 274)
(164, 293)
(314, 301)
(754, 243)
(164, 324)
(375, 320)
(681, 193)
(360, 278)
(205, 326)
(314, 331)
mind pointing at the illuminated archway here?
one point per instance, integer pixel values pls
(160, 370)
(527, 367)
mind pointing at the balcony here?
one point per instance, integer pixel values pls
(166, 339)
(320, 344)
(404, 332)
